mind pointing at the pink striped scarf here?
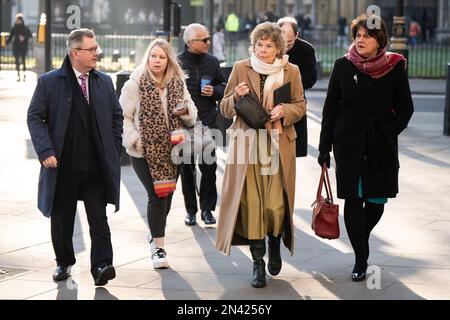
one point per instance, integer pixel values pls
(376, 67)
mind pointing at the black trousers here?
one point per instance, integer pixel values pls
(208, 190)
(157, 209)
(18, 58)
(63, 218)
(360, 218)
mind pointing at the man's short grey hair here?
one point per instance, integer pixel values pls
(191, 31)
(75, 38)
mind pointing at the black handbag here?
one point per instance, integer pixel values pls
(249, 109)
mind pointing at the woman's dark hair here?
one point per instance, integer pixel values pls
(375, 27)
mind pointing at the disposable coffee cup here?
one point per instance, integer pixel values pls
(205, 81)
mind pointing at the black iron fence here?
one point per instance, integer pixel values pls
(120, 52)
(427, 60)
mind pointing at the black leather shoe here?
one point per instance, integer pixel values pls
(358, 273)
(208, 217)
(104, 274)
(358, 276)
(190, 219)
(61, 273)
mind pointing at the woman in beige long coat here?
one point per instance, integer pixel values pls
(259, 180)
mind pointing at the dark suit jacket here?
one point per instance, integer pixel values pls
(303, 55)
(48, 117)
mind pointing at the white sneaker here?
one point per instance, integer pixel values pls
(152, 243)
(159, 259)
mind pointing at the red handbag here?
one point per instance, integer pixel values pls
(325, 218)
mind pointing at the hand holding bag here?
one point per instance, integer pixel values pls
(325, 218)
(249, 109)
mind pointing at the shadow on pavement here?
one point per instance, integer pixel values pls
(67, 290)
(103, 294)
(332, 268)
(241, 268)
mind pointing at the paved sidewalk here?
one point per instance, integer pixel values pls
(409, 247)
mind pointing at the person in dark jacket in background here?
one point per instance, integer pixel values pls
(75, 123)
(21, 34)
(368, 105)
(302, 54)
(206, 85)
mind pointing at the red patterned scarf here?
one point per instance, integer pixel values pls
(155, 133)
(376, 67)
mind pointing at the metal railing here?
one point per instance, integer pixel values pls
(428, 60)
(119, 52)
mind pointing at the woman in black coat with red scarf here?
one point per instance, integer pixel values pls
(368, 105)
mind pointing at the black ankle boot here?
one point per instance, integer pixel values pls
(258, 250)
(275, 263)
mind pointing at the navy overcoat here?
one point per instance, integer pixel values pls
(48, 118)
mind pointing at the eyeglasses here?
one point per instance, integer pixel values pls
(205, 40)
(91, 50)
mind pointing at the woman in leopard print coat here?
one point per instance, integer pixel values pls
(149, 100)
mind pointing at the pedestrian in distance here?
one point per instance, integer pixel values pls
(258, 194)
(342, 36)
(75, 123)
(414, 31)
(219, 44)
(368, 105)
(206, 84)
(156, 105)
(20, 35)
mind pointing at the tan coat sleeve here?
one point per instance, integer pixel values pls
(295, 110)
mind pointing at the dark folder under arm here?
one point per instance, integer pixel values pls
(282, 94)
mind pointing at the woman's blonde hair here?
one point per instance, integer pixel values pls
(269, 31)
(173, 67)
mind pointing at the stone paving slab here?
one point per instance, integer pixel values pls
(409, 246)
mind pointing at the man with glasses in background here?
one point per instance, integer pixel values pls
(302, 54)
(206, 85)
(75, 123)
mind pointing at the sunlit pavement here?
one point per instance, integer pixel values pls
(409, 258)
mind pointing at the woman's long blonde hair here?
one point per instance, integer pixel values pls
(173, 67)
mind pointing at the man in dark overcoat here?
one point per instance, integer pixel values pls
(75, 123)
(302, 54)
